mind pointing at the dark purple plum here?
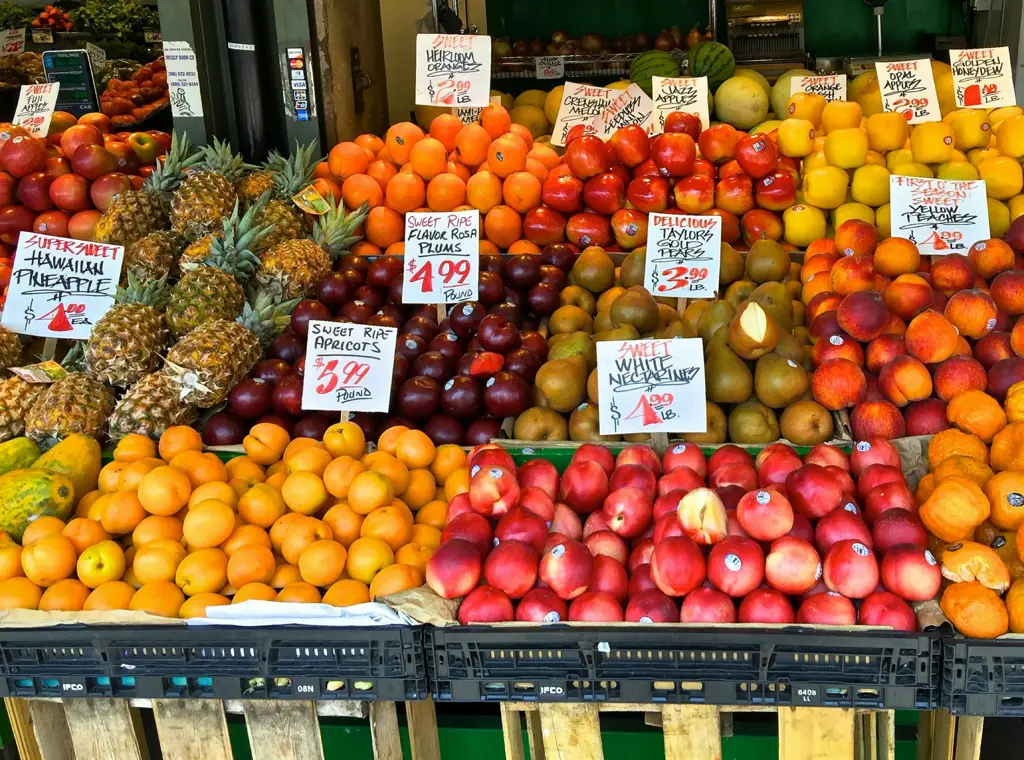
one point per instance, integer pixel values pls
(251, 398)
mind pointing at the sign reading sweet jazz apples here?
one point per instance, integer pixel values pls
(651, 386)
(684, 255)
(831, 86)
(453, 70)
(908, 88)
(982, 78)
(59, 287)
(348, 367)
(940, 216)
(442, 257)
(684, 94)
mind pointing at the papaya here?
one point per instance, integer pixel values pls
(17, 454)
(78, 456)
(31, 493)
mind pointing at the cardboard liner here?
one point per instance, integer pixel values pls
(44, 619)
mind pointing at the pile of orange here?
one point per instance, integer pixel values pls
(172, 530)
(491, 165)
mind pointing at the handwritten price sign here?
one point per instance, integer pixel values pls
(651, 386)
(348, 367)
(908, 87)
(684, 255)
(832, 86)
(549, 67)
(982, 78)
(442, 257)
(685, 94)
(12, 42)
(940, 216)
(453, 70)
(36, 103)
(60, 287)
(631, 107)
(581, 104)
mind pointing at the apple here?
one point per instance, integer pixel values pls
(765, 605)
(792, 566)
(850, 569)
(595, 607)
(765, 515)
(677, 566)
(541, 605)
(485, 605)
(702, 516)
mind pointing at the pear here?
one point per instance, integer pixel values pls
(716, 429)
(731, 268)
(767, 261)
(594, 270)
(632, 270)
(573, 344)
(752, 422)
(775, 299)
(739, 292)
(622, 332)
(778, 381)
(728, 379)
(752, 333)
(714, 318)
(636, 307)
(563, 382)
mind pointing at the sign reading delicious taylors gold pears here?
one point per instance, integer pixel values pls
(348, 367)
(684, 255)
(652, 386)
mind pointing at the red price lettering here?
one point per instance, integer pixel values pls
(424, 276)
(681, 277)
(449, 270)
(647, 408)
(354, 373)
(327, 369)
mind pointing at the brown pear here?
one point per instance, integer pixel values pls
(752, 333)
(584, 424)
(632, 270)
(767, 261)
(716, 430)
(636, 307)
(775, 299)
(806, 423)
(739, 292)
(567, 319)
(563, 382)
(594, 270)
(714, 318)
(731, 268)
(540, 424)
(574, 344)
(752, 422)
(778, 381)
(727, 378)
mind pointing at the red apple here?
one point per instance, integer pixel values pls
(673, 154)
(757, 155)
(680, 121)
(765, 515)
(888, 611)
(702, 516)
(651, 606)
(911, 573)
(776, 466)
(628, 510)
(631, 145)
(454, 569)
(829, 608)
(648, 194)
(677, 566)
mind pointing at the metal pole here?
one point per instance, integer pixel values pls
(245, 49)
(713, 18)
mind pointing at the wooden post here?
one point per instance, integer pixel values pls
(571, 731)
(280, 730)
(105, 728)
(190, 728)
(691, 731)
(816, 733)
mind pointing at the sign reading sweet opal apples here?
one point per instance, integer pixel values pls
(348, 367)
(908, 88)
(940, 216)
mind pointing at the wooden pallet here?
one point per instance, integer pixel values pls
(191, 729)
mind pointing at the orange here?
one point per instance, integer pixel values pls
(259, 591)
(1008, 448)
(160, 598)
(370, 490)
(371, 142)
(280, 529)
(122, 513)
(445, 192)
(524, 246)
(82, 508)
(384, 227)
(389, 466)
(951, 442)
(503, 226)
(444, 128)
(156, 527)
(41, 528)
(366, 557)
(1005, 492)
(456, 483)
(19, 593)
(309, 459)
(266, 443)
(521, 191)
(245, 468)
(428, 158)
(214, 490)
(495, 119)
(251, 564)
(208, 524)
(101, 563)
(964, 467)
(262, 505)
(164, 490)
(421, 489)
(284, 575)
(178, 439)
(389, 524)
(545, 155)
(300, 535)
(203, 571)
(83, 533)
(382, 172)
(406, 192)
(537, 169)
(158, 560)
(201, 468)
(359, 189)
(483, 191)
(400, 140)
(322, 563)
(426, 535)
(415, 555)
(134, 447)
(301, 592)
(976, 412)
(48, 560)
(507, 155)
(346, 159)
(523, 134)
(975, 610)
(448, 457)
(133, 474)
(954, 509)
(462, 172)
(68, 595)
(388, 440)
(245, 535)
(414, 449)
(196, 606)
(110, 476)
(116, 595)
(10, 562)
(304, 492)
(471, 144)
(395, 578)
(345, 439)
(433, 514)
(344, 522)
(347, 592)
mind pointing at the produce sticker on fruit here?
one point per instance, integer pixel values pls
(940, 216)
(581, 104)
(908, 88)
(348, 367)
(683, 94)
(652, 386)
(442, 257)
(982, 77)
(453, 70)
(684, 255)
(60, 287)
(831, 86)
(36, 104)
(631, 107)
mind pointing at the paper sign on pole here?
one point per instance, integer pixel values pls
(549, 67)
(651, 386)
(832, 86)
(581, 104)
(631, 107)
(686, 94)
(940, 216)
(60, 287)
(908, 87)
(684, 255)
(982, 77)
(12, 42)
(97, 54)
(183, 88)
(348, 367)
(36, 104)
(442, 257)
(453, 70)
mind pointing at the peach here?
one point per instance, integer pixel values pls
(728, 454)
(850, 569)
(875, 475)
(707, 605)
(952, 273)
(837, 346)
(651, 606)
(863, 315)
(911, 573)
(829, 608)
(609, 544)
(826, 454)
(595, 607)
(736, 566)
(680, 479)
(472, 528)
(903, 380)
(734, 474)
(454, 569)
(873, 451)
(852, 273)
(537, 501)
(990, 257)
(485, 605)
(567, 568)
(639, 454)
(926, 417)
(640, 580)
(610, 577)
(877, 419)
(685, 455)
(628, 510)
(597, 453)
(634, 476)
(493, 490)
(512, 568)
(766, 605)
(896, 326)
(897, 526)
(1007, 290)
(1002, 375)
(817, 264)
(887, 497)
(595, 521)
(907, 295)
(883, 350)
(825, 325)
(541, 605)
(520, 524)
(972, 312)
(822, 303)
(838, 384)
(640, 553)
(958, 374)
(566, 522)
(584, 486)
(792, 565)
(677, 566)
(887, 610)
(841, 525)
(540, 473)
(931, 337)
(765, 515)
(702, 516)
(855, 237)
(667, 504)
(775, 464)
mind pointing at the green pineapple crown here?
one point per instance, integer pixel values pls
(293, 173)
(265, 316)
(155, 293)
(333, 230)
(74, 359)
(232, 251)
(275, 161)
(168, 174)
(220, 159)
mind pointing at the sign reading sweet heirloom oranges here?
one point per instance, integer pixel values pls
(453, 70)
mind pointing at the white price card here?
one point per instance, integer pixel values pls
(183, 87)
(60, 287)
(982, 77)
(549, 67)
(470, 114)
(12, 41)
(453, 70)
(581, 104)
(442, 257)
(832, 86)
(348, 367)
(940, 216)
(631, 107)
(652, 386)
(97, 54)
(36, 104)
(685, 94)
(908, 88)
(684, 255)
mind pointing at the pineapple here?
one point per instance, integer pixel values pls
(208, 362)
(295, 268)
(137, 213)
(16, 398)
(127, 341)
(150, 407)
(199, 250)
(206, 196)
(214, 288)
(284, 218)
(76, 404)
(152, 257)
(254, 185)
(10, 348)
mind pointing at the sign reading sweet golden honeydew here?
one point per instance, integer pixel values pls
(830, 86)
(939, 216)
(581, 104)
(685, 94)
(908, 88)
(684, 255)
(453, 70)
(348, 367)
(982, 77)
(632, 106)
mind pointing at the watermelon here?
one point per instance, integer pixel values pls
(654, 63)
(712, 60)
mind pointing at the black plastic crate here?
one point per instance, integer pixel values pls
(982, 676)
(286, 662)
(681, 664)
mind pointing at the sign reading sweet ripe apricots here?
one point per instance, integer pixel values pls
(684, 255)
(940, 216)
(908, 88)
(348, 367)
